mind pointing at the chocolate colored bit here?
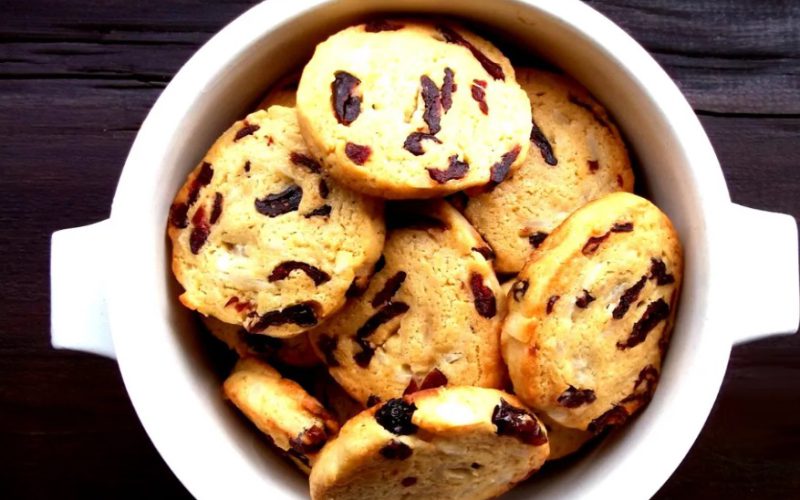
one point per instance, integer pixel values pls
(448, 87)
(310, 440)
(389, 289)
(247, 129)
(357, 153)
(615, 416)
(384, 315)
(178, 212)
(584, 300)
(409, 481)
(302, 160)
(594, 166)
(593, 244)
(433, 113)
(658, 272)
(518, 423)
(413, 143)
(435, 378)
(200, 231)
(500, 169)
(363, 357)
(573, 398)
(518, 289)
(452, 36)
(216, 211)
(324, 191)
(655, 313)
(537, 238)
(540, 141)
(395, 416)
(302, 314)
(378, 25)
(396, 450)
(346, 105)
(327, 345)
(321, 211)
(455, 170)
(283, 270)
(178, 215)
(478, 91)
(622, 227)
(281, 203)
(551, 302)
(629, 297)
(485, 302)
(645, 385)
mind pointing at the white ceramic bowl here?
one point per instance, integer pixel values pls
(741, 264)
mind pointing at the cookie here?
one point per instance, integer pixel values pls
(564, 441)
(294, 421)
(577, 155)
(408, 109)
(590, 314)
(281, 93)
(292, 351)
(261, 238)
(429, 316)
(459, 442)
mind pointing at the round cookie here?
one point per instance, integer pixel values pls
(577, 155)
(407, 109)
(459, 442)
(292, 351)
(564, 441)
(262, 239)
(429, 316)
(590, 314)
(294, 421)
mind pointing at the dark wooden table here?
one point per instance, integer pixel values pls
(76, 81)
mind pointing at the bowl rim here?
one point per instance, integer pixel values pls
(221, 51)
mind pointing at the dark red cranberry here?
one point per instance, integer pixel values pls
(658, 272)
(282, 271)
(178, 215)
(281, 203)
(364, 356)
(479, 95)
(499, 170)
(378, 25)
(645, 385)
(540, 141)
(551, 302)
(485, 302)
(517, 423)
(247, 129)
(594, 166)
(448, 87)
(537, 238)
(216, 211)
(396, 450)
(346, 105)
(452, 36)
(455, 170)
(389, 289)
(408, 481)
(321, 211)
(413, 143)
(622, 227)
(435, 378)
(573, 398)
(617, 415)
(303, 314)
(395, 416)
(310, 440)
(655, 313)
(430, 97)
(383, 315)
(324, 191)
(307, 162)
(593, 243)
(358, 154)
(584, 300)
(628, 297)
(200, 231)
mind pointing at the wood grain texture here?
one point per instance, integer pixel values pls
(76, 80)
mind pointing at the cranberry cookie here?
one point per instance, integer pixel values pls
(294, 421)
(577, 155)
(406, 109)
(460, 442)
(262, 239)
(429, 316)
(590, 314)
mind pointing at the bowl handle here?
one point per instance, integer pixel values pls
(763, 282)
(78, 316)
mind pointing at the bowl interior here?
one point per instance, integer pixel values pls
(177, 390)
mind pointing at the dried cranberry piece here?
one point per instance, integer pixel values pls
(354, 290)
(551, 302)
(178, 215)
(658, 272)
(179, 211)
(216, 211)
(395, 416)
(537, 238)
(594, 166)
(281, 203)
(622, 227)
(452, 36)
(408, 481)
(200, 231)
(373, 400)
(247, 166)
(385, 314)
(499, 170)
(478, 91)
(617, 415)
(628, 297)
(435, 378)
(282, 271)
(518, 423)
(302, 160)
(233, 300)
(413, 143)
(357, 153)
(655, 313)
(396, 450)
(455, 170)
(380, 264)
(204, 176)
(346, 105)
(645, 385)
(448, 87)
(593, 243)
(303, 314)
(486, 251)
(476, 465)
(378, 25)
(412, 387)
(363, 357)
(584, 300)
(327, 346)
(430, 96)
(260, 344)
(321, 211)
(310, 440)
(540, 141)
(390, 288)
(588, 107)
(573, 398)
(619, 180)
(485, 302)
(247, 129)
(324, 191)
(518, 289)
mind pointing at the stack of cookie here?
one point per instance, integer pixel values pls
(364, 219)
